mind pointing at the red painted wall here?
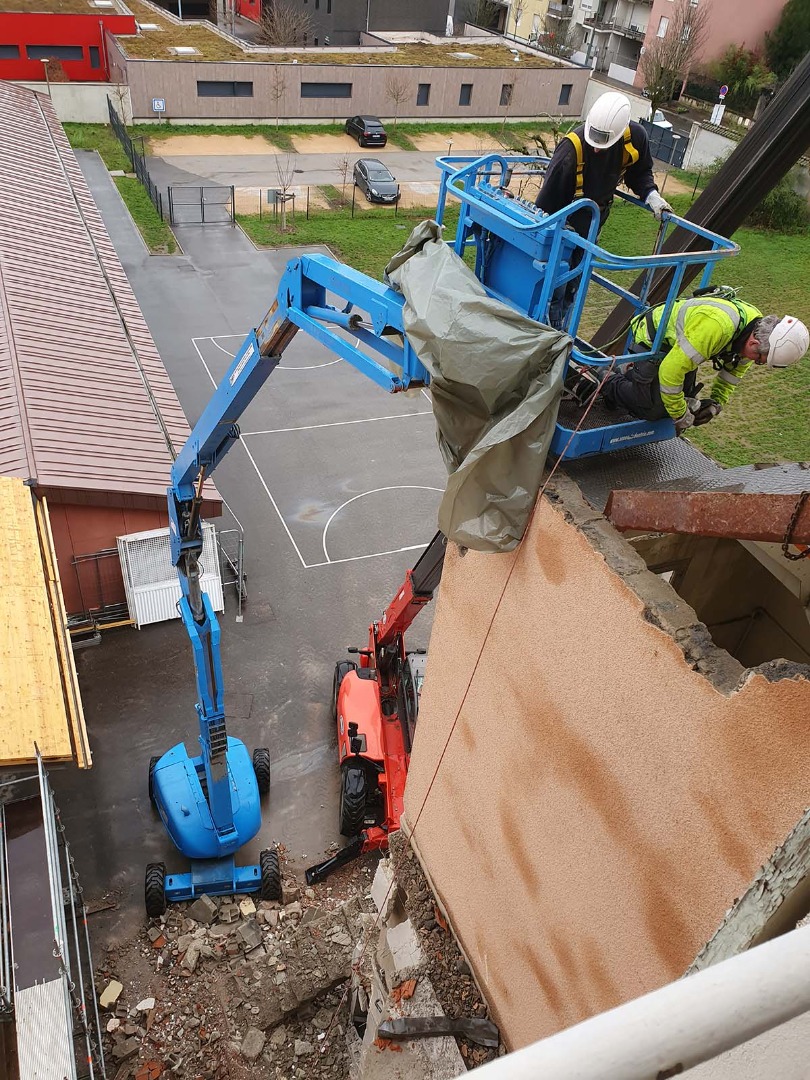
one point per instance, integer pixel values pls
(82, 530)
(249, 9)
(44, 29)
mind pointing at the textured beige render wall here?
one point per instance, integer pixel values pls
(600, 804)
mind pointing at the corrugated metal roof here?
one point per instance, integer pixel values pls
(85, 402)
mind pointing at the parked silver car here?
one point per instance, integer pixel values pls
(375, 181)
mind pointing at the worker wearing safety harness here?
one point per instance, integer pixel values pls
(608, 149)
(719, 328)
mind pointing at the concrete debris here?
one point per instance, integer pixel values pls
(154, 933)
(249, 935)
(382, 887)
(303, 1048)
(126, 1048)
(247, 907)
(146, 1005)
(289, 894)
(405, 950)
(113, 1025)
(252, 1044)
(279, 1036)
(110, 994)
(203, 910)
(192, 956)
(293, 908)
(229, 913)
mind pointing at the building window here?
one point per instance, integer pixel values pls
(95, 59)
(223, 88)
(326, 89)
(54, 52)
(685, 32)
(423, 93)
(465, 97)
(662, 26)
(506, 93)
(9, 52)
(565, 93)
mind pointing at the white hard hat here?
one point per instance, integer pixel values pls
(788, 342)
(607, 120)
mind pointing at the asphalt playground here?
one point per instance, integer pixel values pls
(336, 485)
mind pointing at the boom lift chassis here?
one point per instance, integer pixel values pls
(210, 803)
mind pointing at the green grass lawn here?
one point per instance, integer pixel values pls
(98, 137)
(157, 235)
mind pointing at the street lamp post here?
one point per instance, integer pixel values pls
(47, 80)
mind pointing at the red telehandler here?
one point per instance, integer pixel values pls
(374, 707)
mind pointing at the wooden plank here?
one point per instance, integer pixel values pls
(67, 665)
(31, 690)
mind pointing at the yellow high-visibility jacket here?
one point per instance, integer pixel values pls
(698, 330)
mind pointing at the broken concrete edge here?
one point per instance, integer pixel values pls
(409, 838)
(771, 890)
(663, 608)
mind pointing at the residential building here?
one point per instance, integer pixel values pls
(70, 36)
(342, 22)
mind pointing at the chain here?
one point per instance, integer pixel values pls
(794, 556)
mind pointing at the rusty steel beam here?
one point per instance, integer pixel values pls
(711, 513)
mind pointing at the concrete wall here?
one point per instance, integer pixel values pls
(536, 90)
(85, 103)
(639, 106)
(706, 146)
(612, 780)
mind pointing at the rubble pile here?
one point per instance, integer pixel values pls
(238, 987)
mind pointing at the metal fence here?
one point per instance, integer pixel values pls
(137, 157)
(201, 204)
(665, 144)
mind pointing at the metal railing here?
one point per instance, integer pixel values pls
(670, 1031)
(137, 157)
(201, 204)
(598, 23)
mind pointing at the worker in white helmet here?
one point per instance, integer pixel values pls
(731, 334)
(608, 149)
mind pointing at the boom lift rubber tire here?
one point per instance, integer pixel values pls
(261, 766)
(342, 669)
(152, 763)
(353, 796)
(155, 889)
(271, 875)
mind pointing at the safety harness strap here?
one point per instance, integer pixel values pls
(629, 157)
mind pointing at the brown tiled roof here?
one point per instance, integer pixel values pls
(86, 406)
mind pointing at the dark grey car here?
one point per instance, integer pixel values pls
(368, 130)
(375, 181)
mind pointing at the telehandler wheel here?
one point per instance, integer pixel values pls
(342, 669)
(271, 875)
(261, 766)
(155, 889)
(152, 763)
(352, 799)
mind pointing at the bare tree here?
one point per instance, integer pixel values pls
(285, 171)
(480, 13)
(282, 23)
(668, 55)
(277, 88)
(518, 7)
(342, 166)
(398, 91)
(558, 37)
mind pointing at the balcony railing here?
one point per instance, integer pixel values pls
(561, 11)
(637, 33)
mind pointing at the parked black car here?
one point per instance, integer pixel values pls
(374, 179)
(367, 130)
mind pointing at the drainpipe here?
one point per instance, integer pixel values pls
(669, 1031)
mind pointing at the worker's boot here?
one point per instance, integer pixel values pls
(581, 383)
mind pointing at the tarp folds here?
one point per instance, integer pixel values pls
(496, 378)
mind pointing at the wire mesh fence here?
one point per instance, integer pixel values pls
(137, 157)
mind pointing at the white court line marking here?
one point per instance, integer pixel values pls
(425, 394)
(284, 367)
(373, 491)
(256, 467)
(336, 423)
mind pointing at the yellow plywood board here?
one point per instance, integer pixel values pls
(38, 686)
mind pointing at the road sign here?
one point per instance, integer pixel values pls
(723, 91)
(158, 104)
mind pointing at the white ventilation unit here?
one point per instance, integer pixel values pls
(148, 26)
(184, 50)
(150, 580)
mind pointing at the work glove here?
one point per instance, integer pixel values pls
(706, 411)
(658, 204)
(684, 422)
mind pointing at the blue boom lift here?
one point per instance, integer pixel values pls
(210, 803)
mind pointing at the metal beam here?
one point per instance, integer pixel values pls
(723, 514)
(767, 153)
